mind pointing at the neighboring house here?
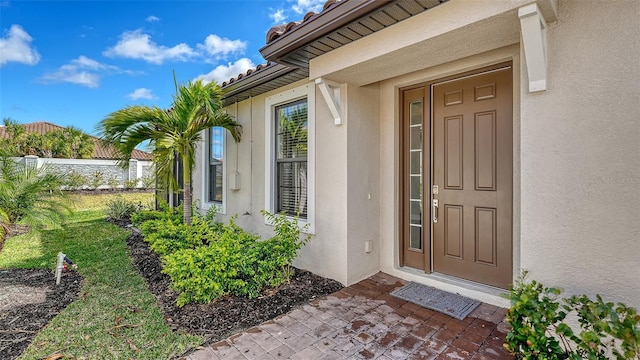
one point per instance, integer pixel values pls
(453, 144)
(103, 160)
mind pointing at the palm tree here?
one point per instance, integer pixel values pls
(79, 144)
(172, 133)
(4, 227)
(30, 194)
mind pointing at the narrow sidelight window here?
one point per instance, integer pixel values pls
(216, 158)
(291, 142)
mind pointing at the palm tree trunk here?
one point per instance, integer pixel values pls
(186, 180)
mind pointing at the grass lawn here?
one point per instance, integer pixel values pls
(100, 199)
(115, 316)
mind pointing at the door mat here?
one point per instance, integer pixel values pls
(450, 304)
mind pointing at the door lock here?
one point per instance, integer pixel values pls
(434, 190)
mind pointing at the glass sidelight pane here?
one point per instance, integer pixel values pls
(416, 162)
(416, 212)
(416, 137)
(415, 113)
(415, 240)
(416, 187)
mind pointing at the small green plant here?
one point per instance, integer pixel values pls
(75, 180)
(4, 227)
(113, 182)
(120, 209)
(165, 212)
(131, 184)
(96, 180)
(538, 329)
(149, 181)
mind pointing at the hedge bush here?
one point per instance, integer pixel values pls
(537, 316)
(207, 259)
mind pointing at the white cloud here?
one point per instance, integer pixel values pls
(16, 47)
(304, 6)
(225, 72)
(83, 71)
(152, 18)
(138, 45)
(215, 45)
(278, 16)
(141, 93)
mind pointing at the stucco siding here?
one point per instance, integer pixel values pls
(363, 197)
(326, 253)
(581, 155)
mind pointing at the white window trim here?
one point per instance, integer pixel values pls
(204, 198)
(305, 91)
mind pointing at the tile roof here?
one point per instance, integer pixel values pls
(276, 32)
(100, 150)
(247, 73)
(279, 30)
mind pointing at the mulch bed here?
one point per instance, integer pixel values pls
(29, 299)
(231, 314)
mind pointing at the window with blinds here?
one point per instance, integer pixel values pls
(291, 158)
(216, 158)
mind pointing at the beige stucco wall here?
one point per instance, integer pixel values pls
(363, 178)
(581, 154)
(326, 253)
(576, 146)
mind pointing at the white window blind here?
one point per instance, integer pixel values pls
(291, 158)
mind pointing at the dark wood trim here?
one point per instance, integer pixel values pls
(406, 97)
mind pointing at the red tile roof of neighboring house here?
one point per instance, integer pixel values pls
(279, 30)
(100, 149)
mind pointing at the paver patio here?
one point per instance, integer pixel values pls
(363, 321)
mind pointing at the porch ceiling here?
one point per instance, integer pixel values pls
(374, 58)
(345, 22)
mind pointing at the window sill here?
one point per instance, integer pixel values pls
(221, 209)
(302, 224)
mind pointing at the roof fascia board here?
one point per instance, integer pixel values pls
(256, 79)
(344, 13)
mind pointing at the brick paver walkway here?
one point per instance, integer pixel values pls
(363, 321)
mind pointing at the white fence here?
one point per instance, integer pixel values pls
(139, 174)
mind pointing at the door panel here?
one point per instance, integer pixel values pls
(414, 234)
(472, 165)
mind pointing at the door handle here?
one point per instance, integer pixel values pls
(434, 206)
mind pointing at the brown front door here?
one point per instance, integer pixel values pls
(472, 170)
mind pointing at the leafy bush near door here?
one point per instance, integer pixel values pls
(539, 331)
(206, 259)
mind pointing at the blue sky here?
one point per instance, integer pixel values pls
(74, 62)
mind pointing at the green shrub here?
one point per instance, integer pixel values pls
(149, 181)
(131, 184)
(170, 236)
(165, 212)
(538, 332)
(113, 182)
(75, 180)
(121, 209)
(96, 179)
(234, 262)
